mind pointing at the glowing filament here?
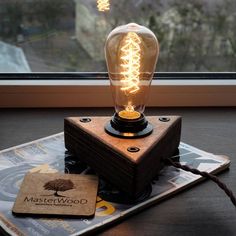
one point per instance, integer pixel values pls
(103, 5)
(130, 63)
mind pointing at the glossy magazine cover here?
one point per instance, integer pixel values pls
(48, 155)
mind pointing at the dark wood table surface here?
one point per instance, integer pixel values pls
(202, 210)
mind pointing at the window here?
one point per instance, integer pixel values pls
(69, 35)
(46, 46)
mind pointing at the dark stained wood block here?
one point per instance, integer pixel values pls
(130, 172)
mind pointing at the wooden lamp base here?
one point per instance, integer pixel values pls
(128, 164)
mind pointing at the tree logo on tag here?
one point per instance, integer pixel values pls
(59, 185)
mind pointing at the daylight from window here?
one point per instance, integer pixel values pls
(69, 35)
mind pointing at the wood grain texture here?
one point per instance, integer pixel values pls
(203, 210)
(57, 194)
(96, 129)
(130, 172)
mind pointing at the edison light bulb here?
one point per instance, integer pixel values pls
(131, 55)
(103, 5)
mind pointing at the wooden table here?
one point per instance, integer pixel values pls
(201, 210)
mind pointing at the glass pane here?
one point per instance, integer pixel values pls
(69, 35)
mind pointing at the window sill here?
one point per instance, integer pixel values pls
(96, 92)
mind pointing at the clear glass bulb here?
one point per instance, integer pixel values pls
(131, 54)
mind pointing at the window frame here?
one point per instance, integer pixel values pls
(91, 89)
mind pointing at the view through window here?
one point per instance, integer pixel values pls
(69, 35)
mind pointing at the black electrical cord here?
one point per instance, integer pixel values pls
(205, 175)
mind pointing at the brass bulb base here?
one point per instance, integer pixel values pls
(128, 128)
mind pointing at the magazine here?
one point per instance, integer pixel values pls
(48, 155)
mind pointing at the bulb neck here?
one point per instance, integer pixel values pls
(128, 128)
